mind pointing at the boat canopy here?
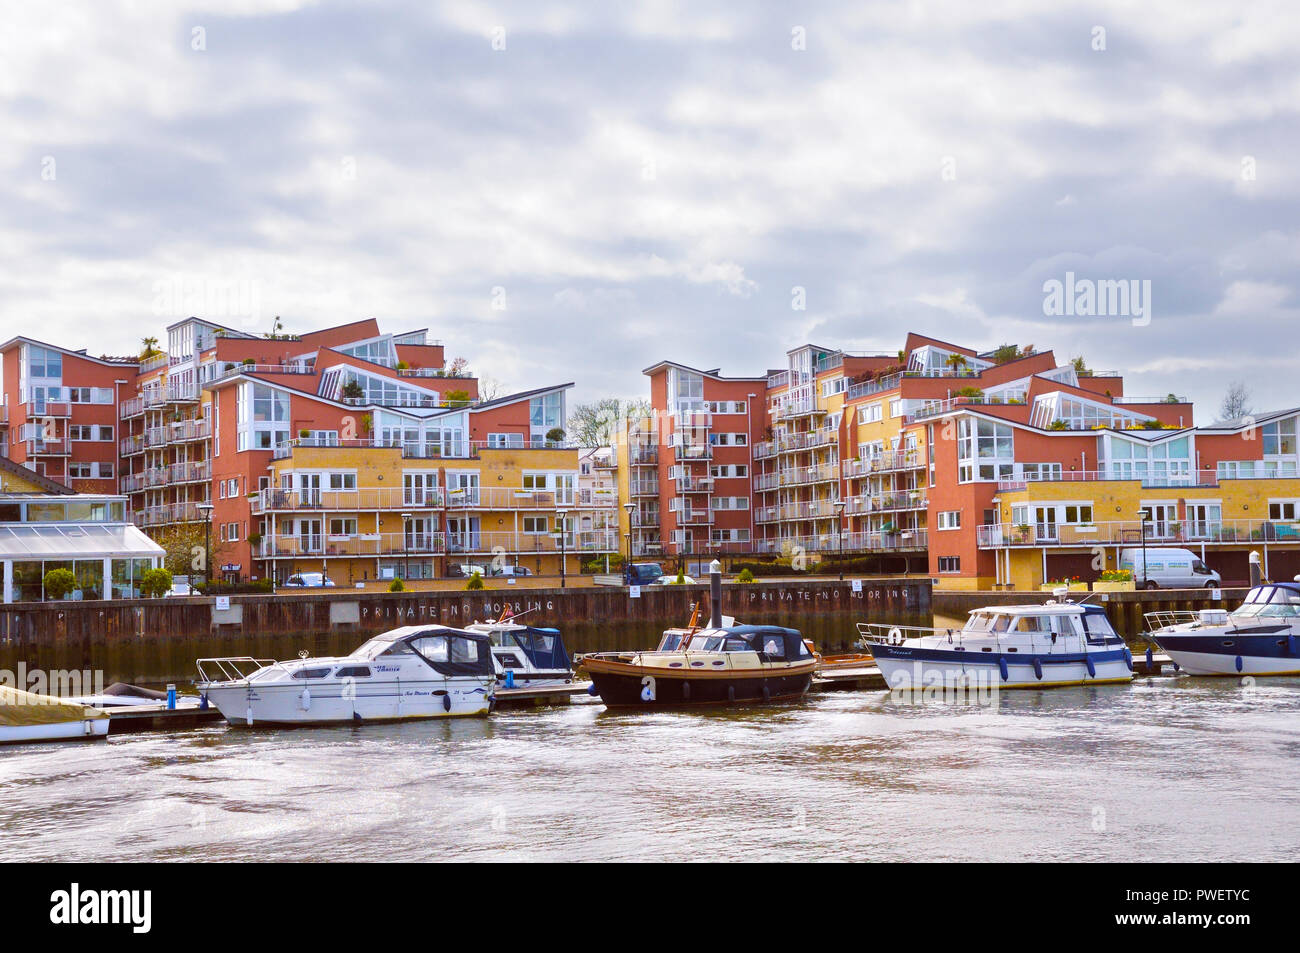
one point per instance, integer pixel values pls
(22, 709)
(449, 651)
(771, 641)
(544, 647)
(1272, 601)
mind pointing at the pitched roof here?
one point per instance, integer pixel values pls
(31, 476)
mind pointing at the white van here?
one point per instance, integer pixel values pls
(1168, 568)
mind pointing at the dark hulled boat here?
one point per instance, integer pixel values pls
(736, 664)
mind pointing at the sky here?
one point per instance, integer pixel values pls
(576, 191)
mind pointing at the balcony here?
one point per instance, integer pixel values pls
(799, 408)
(883, 463)
(599, 498)
(1129, 533)
(643, 456)
(133, 407)
(506, 498)
(694, 484)
(698, 451)
(870, 542)
(324, 546)
(643, 488)
(48, 448)
(516, 544)
(190, 472)
(344, 501)
(694, 517)
(169, 513)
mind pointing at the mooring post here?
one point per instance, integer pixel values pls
(715, 594)
(1255, 573)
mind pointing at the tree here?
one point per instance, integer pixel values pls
(1004, 353)
(489, 388)
(599, 424)
(459, 368)
(957, 362)
(456, 398)
(155, 583)
(182, 545)
(1236, 402)
(1081, 369)
(149, 349)
(59, 582)
(397, 585)
(353, 390)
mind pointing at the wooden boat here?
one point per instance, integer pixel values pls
(699, 666)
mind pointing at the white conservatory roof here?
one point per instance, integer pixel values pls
(75, 541)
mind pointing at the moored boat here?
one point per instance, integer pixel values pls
(712, 665)
(418, 671)
(526, 656)
(27, 717)
(1260, 637)
(1022, 646)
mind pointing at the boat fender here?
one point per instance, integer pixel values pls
(648, 688)
(686, 691)
(1128, 659)
(1092, 669)
(1176, 668)
(1150, 657)
(248, 714)
(1038, 669)
(203, 702)
(356, 717)
(591, 690)
(510, 678)
(1239, 663)
(304, 700)
(731, 693)
(767, 694)
(1002, 668)
(446, 702)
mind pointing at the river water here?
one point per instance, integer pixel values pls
(1166, 769)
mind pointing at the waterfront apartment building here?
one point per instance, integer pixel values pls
(1001, 468)
(351, 451)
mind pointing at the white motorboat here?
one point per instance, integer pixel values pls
(26, 717)
(526, 656)
(1025, 646)
(1260, 637)
(417, 671)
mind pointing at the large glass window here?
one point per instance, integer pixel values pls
(1279, 437)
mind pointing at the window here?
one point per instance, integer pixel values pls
(536, 525)
(1078, 514)
(950, 519)
(343, 481)
(353, 671)
(501, 441)
(1278, 437)
(1281, 509)
(343, 526)
(869, 414)
(311, 673)
(949, 564)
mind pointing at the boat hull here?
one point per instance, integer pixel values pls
(1228, 652)
(243, 705)
(642, 687)
(905, 667)
(87, 729)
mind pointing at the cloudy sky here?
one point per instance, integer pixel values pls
(565, 191)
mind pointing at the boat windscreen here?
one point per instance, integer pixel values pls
(544, 647)
(453, 653)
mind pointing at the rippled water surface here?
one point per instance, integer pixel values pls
(1167, 769)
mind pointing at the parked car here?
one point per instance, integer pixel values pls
(670, 579)
(645, 574)
(512, 571)
(465, 570)
(1168, 568)
(180, 586)
(308, 580)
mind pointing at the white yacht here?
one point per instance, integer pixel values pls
(1260, 637)
(1025, 646)
(526, 656)
(417, 671)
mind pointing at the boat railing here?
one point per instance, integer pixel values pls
(896, 634)
(235, 668)
(1167, 617)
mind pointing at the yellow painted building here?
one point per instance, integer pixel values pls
(1047, 527)
(366, 513)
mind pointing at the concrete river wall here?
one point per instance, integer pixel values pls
(157, 640)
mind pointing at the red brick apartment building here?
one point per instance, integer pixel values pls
(350, 451)
(1002, 468)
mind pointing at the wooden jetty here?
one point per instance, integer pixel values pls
(135, 718)
(544, 696)
(865, 678)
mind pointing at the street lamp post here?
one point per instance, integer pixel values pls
(406, 546)
(839, 532)
(559, 518)
(1144, 515)
(628, 507)
(206, 510)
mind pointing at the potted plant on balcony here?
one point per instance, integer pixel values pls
(1022, 533)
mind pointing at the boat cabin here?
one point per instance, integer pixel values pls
(1280, 600)
(1049, 620)
(517, 646)
(771, 642)
(448, 651)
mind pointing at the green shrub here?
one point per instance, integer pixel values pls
(59, 583)
(745, 576)
(397, 586)
(475, 582)
(155, 583)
